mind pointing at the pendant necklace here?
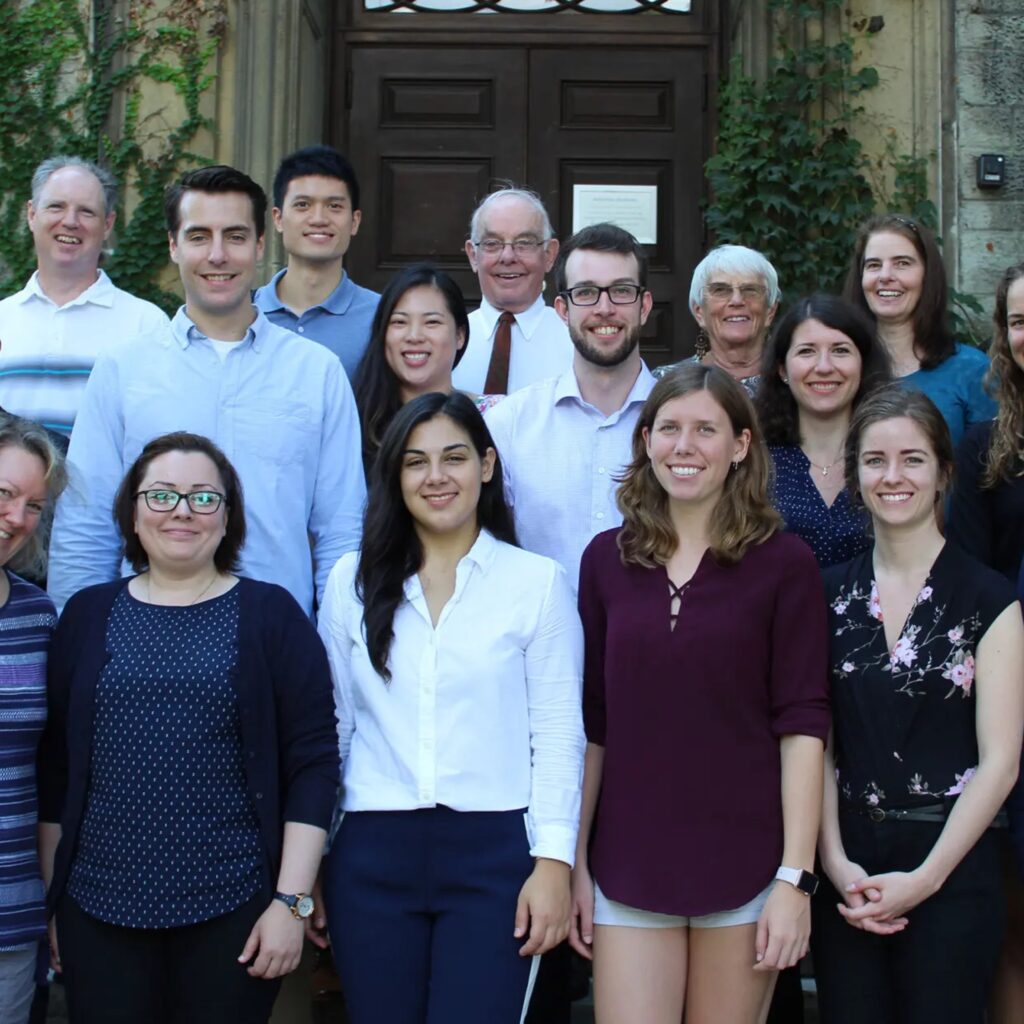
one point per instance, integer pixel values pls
(823, 470)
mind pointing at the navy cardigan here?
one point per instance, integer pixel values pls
(286, 707)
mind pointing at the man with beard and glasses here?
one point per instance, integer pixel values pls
(563, 441)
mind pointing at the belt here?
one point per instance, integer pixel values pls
(925, 812)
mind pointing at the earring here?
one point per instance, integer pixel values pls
(702, 346)
(785, 380)
(736, 465)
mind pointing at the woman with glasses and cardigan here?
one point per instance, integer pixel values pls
(189, 764)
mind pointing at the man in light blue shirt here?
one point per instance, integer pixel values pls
(280, 408)
(316, 212)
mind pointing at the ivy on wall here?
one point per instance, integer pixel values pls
(789, 176)
(80, 82)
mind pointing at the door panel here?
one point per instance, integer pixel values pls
(429, 129)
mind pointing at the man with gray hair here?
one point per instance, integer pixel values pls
(514, 338)
(69, 313)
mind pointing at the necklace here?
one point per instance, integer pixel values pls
(823, 470)
(213, 579)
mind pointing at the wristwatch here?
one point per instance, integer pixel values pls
(802, 881)
(300, 904)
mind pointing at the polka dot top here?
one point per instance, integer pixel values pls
(169, 836)
(836, 532)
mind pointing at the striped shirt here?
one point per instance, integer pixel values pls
(27, 622)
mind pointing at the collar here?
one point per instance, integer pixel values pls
(527, 321)
(185, 332)
(481, 554)
(267, 299)
(568, 387)
(100, 293)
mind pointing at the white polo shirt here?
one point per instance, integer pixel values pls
(541, 347)
(47, 351)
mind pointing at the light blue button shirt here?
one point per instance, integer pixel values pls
(341, 322)
(280, 409)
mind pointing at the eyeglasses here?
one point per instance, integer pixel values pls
(202, 503)
(722, 292)
(590, 294)
(521, 246)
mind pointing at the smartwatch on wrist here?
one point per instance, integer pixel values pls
(300, 904)
(802, 881)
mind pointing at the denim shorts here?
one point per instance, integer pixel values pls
(608, 912)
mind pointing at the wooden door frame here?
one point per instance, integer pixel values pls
(703, 29)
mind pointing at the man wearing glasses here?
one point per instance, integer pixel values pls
(280, 408)
(514, 338)
(563, 441)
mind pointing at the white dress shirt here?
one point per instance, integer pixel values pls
(280, 408)
(541, 347)
(48, 351)
(560, 456)
(483, 711)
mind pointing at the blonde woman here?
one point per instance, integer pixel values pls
(693, 869)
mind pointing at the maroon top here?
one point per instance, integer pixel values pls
(690, 814)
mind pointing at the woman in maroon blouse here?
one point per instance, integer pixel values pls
(706, 710)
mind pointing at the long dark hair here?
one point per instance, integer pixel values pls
(776, 407)
(377, 389)
(933, 341)
(1006, 381)
(391, 550)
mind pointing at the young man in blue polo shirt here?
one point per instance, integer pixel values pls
(316, 212)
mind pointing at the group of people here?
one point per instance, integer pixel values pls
(456, 636)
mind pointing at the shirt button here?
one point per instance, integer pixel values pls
(600, 469)
(259, 796)
(599, 515)
(301, 330)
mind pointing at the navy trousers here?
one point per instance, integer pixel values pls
(421, 908)
(939, 969)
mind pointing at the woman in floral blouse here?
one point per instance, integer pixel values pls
(928, 703)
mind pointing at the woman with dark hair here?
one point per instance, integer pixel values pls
(418, 336)
(986, 518)
(897, 276)
(702, 783)
(927, 649)
(189, 762)
(821, 360)
(32, 475)
(456, 659)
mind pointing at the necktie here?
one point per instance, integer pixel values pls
(497, 371)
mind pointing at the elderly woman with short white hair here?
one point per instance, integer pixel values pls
(734, 294)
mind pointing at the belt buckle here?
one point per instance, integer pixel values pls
(876, 814)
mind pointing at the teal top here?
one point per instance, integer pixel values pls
(956, 387)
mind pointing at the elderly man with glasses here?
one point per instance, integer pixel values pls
(514, 338)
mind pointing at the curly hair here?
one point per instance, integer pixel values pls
(776, 407)
(1005, 380)
(743, 515)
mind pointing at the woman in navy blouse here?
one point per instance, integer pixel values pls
(189, 763)
(822, 359)
(927, 649)
(705, 707)
(31, 475)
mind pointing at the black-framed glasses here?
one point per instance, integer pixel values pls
(202, 503)
(590, 294)
(520, 246)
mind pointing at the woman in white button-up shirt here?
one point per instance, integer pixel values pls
(457, 660)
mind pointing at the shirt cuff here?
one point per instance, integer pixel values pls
(555, 842)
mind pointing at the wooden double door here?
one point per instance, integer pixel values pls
(433, 128)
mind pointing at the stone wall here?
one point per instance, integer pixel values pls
(989, 118)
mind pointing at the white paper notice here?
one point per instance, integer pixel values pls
(634, 208)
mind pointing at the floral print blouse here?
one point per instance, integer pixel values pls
(904, 719)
